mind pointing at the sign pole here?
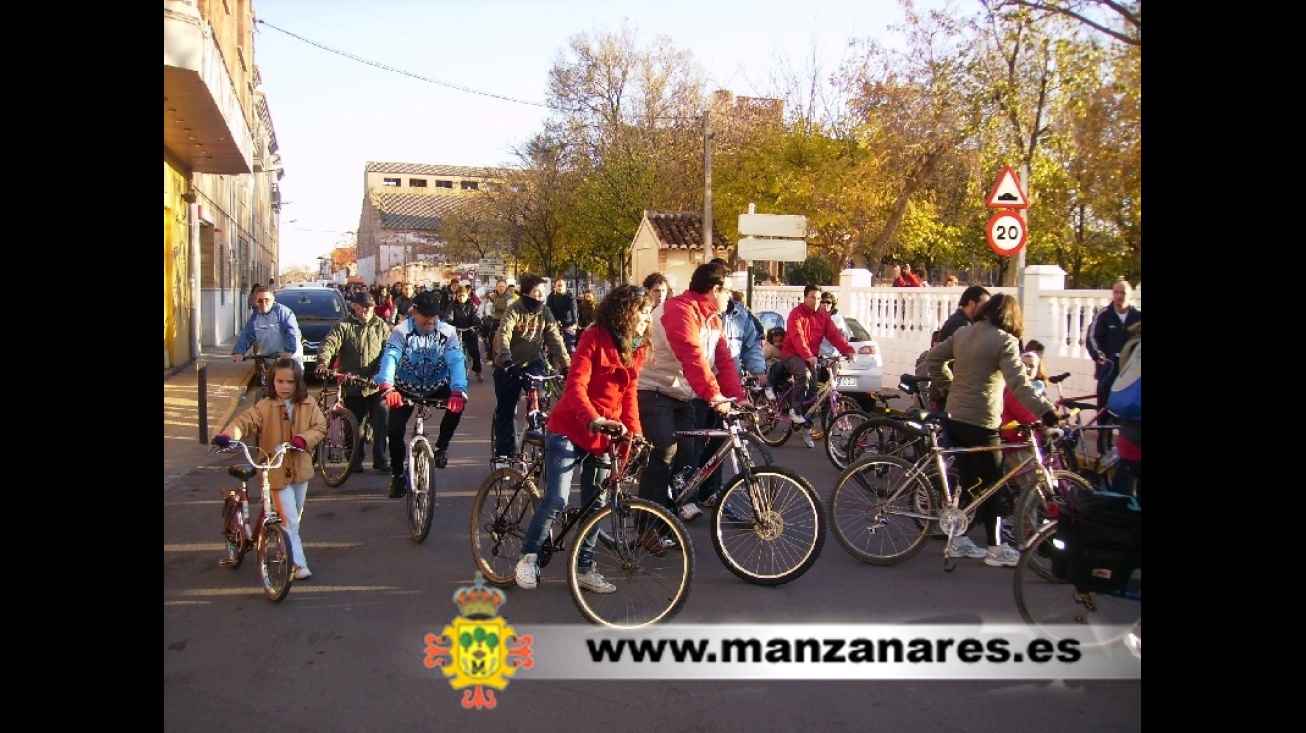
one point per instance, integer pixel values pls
(1020, 256)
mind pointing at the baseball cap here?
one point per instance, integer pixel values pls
(363, 298)
(427, 303)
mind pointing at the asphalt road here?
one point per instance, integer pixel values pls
(344, 650)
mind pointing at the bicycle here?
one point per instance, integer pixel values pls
(261, 366)
(838, 414)
(653, 582)
(463, 342)
(890, 431)
(1099, 466)
(767, 521)
(334, 456)
(265, 533)
(882, 507)
(418, 457)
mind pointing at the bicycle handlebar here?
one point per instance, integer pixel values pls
(274, 460)
(345, 377)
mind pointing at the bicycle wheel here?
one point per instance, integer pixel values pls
(650, 589)
(421, 493)
(769, 427)
(335, 454)
(1060, 610)
(841, 405)
(501, 514)
(274, 561)
(837, 434)
(1040, 505)
(769, 532)
(886, 436)
(879, 516)
(233, 533)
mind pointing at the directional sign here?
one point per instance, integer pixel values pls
(1006, 233)
(773, 225)
(1006, 193)
(774, 250)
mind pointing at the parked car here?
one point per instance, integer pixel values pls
(860, 379)
(316, 309)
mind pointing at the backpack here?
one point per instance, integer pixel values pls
(1126, 397)
(1099, 541)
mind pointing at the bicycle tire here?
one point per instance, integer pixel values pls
(1061, 611)
(335, 454)
(841, 405)
(875, 516)
(233, 533)
(887, 436)
(1039, 505)
(837, 435)
(274, 561)
(782, 543)
(769, 427)
(501, 514)
(650, 589)
(421, 493)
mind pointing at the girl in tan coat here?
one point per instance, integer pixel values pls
(286, 415)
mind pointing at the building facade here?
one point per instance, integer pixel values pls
(671, 242)
(221, 204)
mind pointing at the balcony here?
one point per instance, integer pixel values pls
(203, 125)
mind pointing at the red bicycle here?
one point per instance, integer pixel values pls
(265, 534)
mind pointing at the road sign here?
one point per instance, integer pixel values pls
(1006, 193)
(772, 250)
(1006, 233)
(773, 225)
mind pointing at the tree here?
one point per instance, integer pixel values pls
(1129, 15)
(815, 270)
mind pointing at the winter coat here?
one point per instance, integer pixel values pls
(972, 365)
(269, 420)
(598, 385)
(358, 346)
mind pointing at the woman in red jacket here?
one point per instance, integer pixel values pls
(600, 393)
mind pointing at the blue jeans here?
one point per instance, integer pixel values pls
(508, 387)
(560, 459)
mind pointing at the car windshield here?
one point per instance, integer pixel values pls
(324, 305)
(857, 332)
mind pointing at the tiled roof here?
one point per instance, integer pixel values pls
(681, 230)
(414, 211)
(423, 169)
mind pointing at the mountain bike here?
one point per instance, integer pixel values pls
(334, 456)
(836, 413)
(883, 508)
(1099, 463)
(653, 581)
(265, 533)
(768, 523)
(890, 430)
(418, 457)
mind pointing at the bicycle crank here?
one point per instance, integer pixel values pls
(953, 521)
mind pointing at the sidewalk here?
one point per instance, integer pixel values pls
(226, 380)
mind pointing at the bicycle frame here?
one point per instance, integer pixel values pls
(827, 396)
(611, 486)
(252, 532)
(732, 448)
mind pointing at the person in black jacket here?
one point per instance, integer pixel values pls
(1106, 337)
(563, 306)
(403, 298)
(461, 314)
(967, 306)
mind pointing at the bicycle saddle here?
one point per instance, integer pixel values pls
(534, 437)
(910, 383)
(242, 472)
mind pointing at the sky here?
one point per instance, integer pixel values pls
(459, 82)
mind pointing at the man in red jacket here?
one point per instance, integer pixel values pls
(806, 327)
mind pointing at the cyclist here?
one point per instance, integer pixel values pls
(984, 356)
(526, 328)
(461, 314)
(357, 341)
(422, 358)
(286, 415)
(272, 326)
(690, 359)
(605, 370)
(493, 308)
(563, 306)
(806, 326)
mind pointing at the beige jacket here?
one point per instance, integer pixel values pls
(267, 418)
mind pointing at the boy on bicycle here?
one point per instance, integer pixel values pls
(422, 359)
(806, 327)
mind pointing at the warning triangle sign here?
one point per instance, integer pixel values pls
(1006, 193)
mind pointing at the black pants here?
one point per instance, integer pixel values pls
(372, 410)
(978, 470)
(661, 416)
(705, 418)
(472, 345)
(398, 425)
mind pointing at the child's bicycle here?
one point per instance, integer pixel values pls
(836, 414)
(265, 533)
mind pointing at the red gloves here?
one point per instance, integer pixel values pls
(393, 399)
(299, 442)
(457, 401)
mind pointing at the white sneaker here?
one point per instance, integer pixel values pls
(1001, 556)
(770, 394)
(594, 582)
(690, 511)
(964, 546)
(303, 573)
(528, 571)
(807, 439)
(797, 419)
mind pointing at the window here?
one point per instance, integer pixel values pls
(393, 182)
(417, 183)
(444, 184)
(469, 185)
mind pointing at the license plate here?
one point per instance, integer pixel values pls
(845, 382)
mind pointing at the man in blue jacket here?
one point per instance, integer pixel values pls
(272, 327)
(423, 359)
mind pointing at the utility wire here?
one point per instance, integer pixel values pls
(419, 77)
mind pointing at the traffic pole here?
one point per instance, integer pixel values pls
(201, 373)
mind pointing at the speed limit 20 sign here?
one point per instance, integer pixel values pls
(1006, 233)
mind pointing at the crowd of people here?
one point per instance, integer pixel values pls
(649, 361)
